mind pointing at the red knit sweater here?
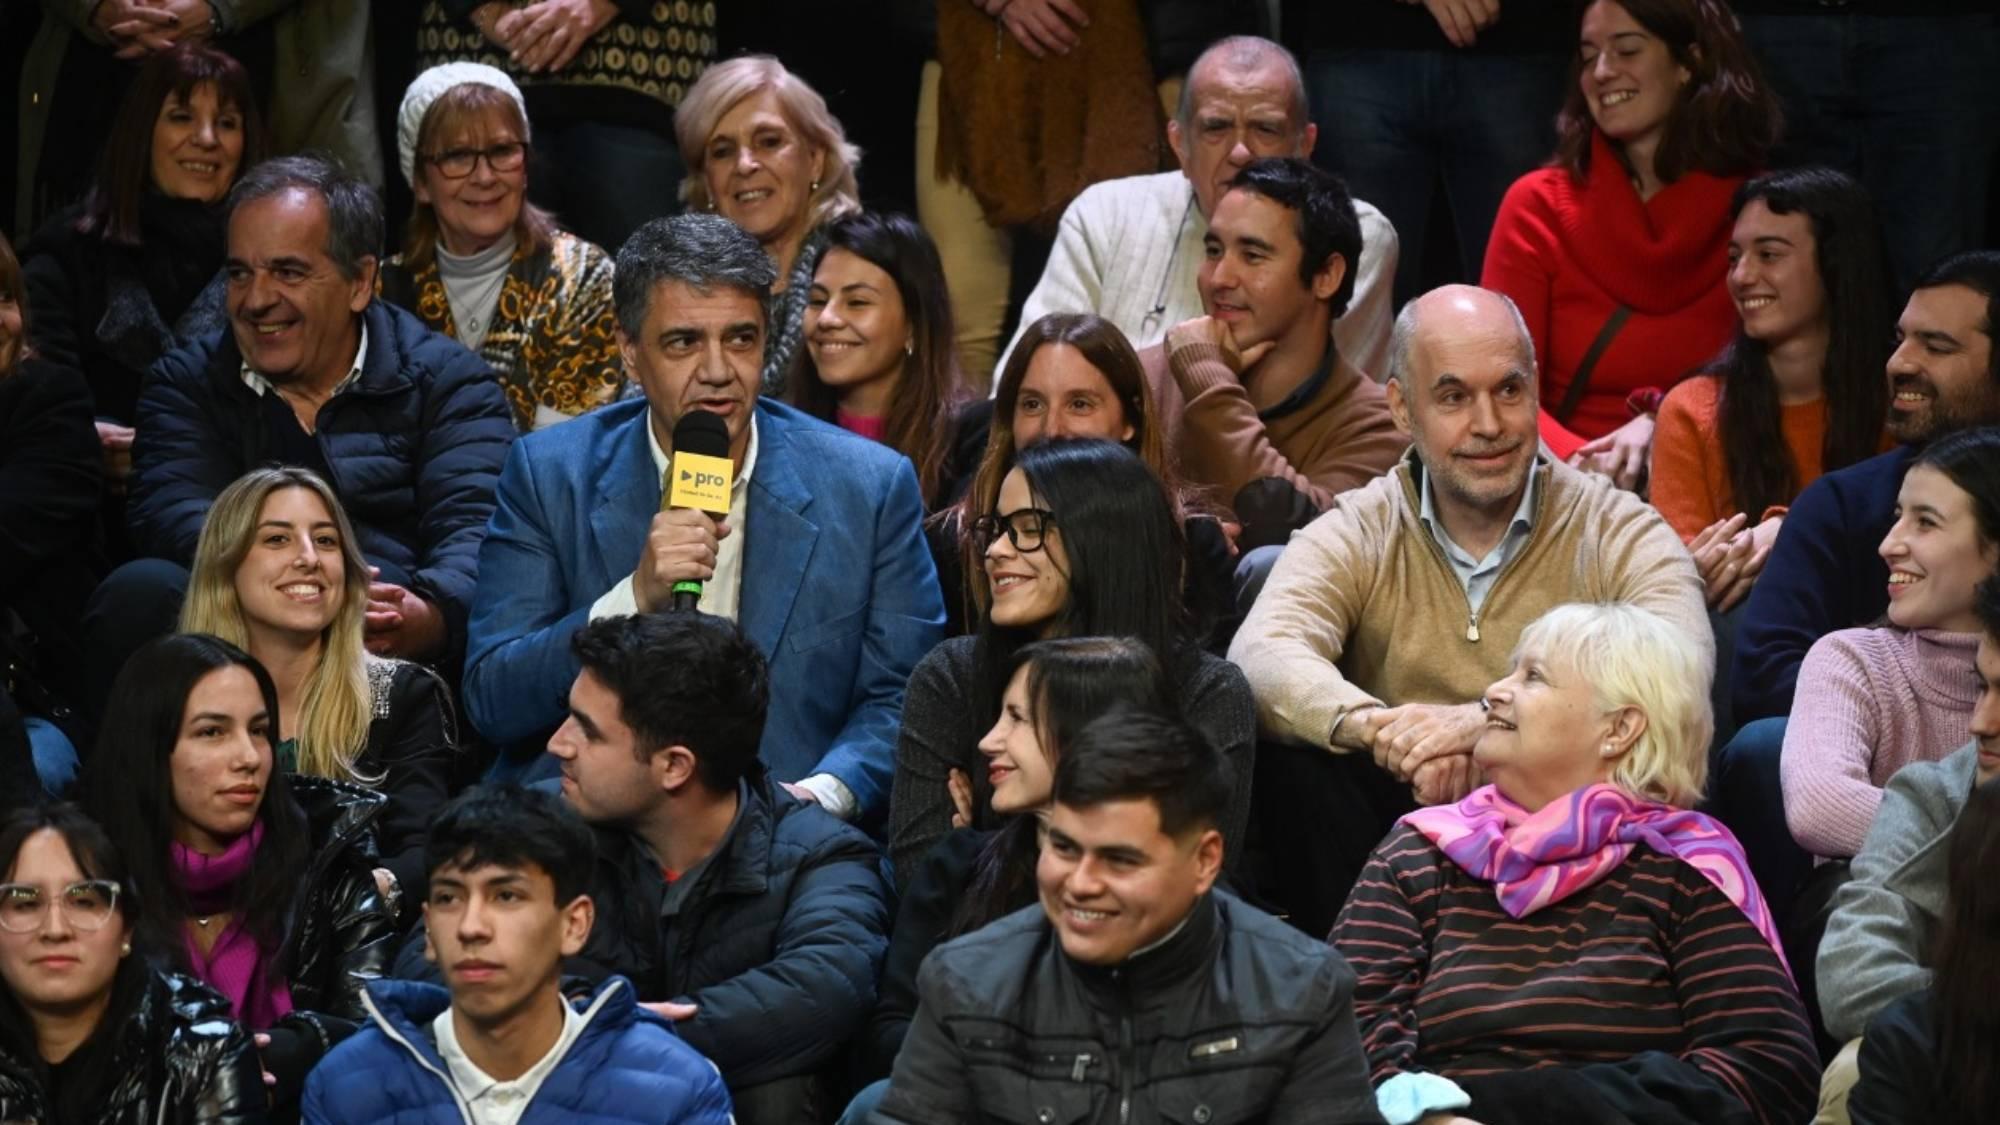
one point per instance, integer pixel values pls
(1569, 252)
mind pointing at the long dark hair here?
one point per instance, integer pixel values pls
(1126, 556)
(125, 171)
(1967, 962)
(1071, 681)
(920, 413)
(1853, 268)
(1971, 460)
(128, 788)
(98, 858)
(1724, 121)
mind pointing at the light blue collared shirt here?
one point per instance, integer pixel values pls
(1477, 575)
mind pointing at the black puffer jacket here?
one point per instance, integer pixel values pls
(1236, 1018)
(179, 1060)
(415, 448)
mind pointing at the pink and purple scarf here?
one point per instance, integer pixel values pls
(234, 965)
(1535, 859)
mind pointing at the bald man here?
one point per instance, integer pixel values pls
(1128, 249)
(1386, 618)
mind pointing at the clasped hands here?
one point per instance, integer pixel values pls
(137, 28)
(545, 35)
(1427, 745)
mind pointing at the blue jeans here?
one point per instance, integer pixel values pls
(1745, 793)
(1909, 105)
(605, 181)
(1393, 123)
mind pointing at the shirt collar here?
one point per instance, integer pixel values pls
(1524, 513)
(661, 459)
(260, 384)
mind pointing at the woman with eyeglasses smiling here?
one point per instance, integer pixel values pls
(1082, 541)
(486, 267)
(90, 1031)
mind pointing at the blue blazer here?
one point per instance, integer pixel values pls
(838, 587)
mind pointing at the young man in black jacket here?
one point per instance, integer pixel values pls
(1135, 991)
(755, 920)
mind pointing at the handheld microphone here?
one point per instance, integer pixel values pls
(699, 477)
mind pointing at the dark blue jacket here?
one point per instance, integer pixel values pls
(1823, 574)
(415, 447)
(626, 1065)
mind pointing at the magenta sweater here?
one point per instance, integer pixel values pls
(1869, 702)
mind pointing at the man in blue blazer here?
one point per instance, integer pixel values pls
(821, 558)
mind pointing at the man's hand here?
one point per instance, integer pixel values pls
(116, 443)
(399, 623)
(670, 1011)
(1445, 779)
(1043, 27)
(801, 792)
(1208, 330)
(1408, 736)
(1463, 20)
(1621, 454)
(680, 546)
(136, 28)
(546, 35)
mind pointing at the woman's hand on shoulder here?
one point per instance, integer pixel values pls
(1621, 454)
(960, 788)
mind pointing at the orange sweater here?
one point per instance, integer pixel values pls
(1690, 476)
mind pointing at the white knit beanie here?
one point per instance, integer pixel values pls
(429, 87)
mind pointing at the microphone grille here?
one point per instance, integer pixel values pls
(701, 432)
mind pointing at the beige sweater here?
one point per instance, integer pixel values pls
(1362, 607)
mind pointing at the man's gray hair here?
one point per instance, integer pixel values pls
(1402, 338)
(1239, 53)
(698, 249)
(353, 209)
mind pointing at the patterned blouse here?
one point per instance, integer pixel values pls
(553, 344)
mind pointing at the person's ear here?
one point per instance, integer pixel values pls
(628, 349)
(578, 917)
(363, 290)
(1177, 142)
(1207, 860)
(1625, 727)
(674, 768)
(1307, 140)
(1399, 408)
(1327, 281)
(430, 950)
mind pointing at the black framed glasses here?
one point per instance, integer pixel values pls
(1024, 528)
(87, 904)
(458, 163)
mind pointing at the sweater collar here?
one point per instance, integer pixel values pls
(1655, 255)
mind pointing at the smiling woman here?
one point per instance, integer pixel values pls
(763, 150)
(1596, 747)
(130, 273)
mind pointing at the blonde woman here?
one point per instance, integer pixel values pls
(763, 152)
(1571, 934)
(278, 573)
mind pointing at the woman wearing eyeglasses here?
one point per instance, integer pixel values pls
(90, 1031)
(486, 267)
(1082, 541)
(259, 883)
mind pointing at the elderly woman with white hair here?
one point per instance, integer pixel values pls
(1571, 937)
(763, 151)
(486, 267)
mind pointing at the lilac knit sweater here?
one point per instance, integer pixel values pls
(1869, 702)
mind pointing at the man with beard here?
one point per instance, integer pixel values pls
(1824, 572)
(1385, 618)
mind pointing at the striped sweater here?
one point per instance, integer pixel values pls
(1649, 995)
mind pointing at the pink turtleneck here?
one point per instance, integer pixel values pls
(1869, 702)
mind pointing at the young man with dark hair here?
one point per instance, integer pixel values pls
(1885, 919)
(757, 919)
(1261, 406)
(1135, 990)
(509, 875)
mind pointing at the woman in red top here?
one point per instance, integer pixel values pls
(1616, 251)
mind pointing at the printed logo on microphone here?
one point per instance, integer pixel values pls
(701, 482)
